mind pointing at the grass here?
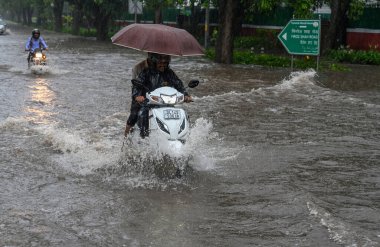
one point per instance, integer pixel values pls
(284, 61)
(264, 49)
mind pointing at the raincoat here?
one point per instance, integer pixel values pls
(152, 79)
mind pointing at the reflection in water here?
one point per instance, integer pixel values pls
(41, 100)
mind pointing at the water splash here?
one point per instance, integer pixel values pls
(298, 78)
(13, 122)
(155, 156)
(40, 69)
(78, 154)
(339, 231)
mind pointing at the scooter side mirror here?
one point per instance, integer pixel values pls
(193, 83)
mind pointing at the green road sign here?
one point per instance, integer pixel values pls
(301, 37)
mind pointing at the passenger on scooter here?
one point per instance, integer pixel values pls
(155, 74)
(35, 42)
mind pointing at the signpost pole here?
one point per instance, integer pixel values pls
(292, 63)
(318, 63)
(319, 53)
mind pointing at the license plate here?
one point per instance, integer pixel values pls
(172, 114)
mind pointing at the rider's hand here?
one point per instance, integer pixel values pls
(188, 99)
(140, 99)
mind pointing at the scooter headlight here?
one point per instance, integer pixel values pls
(38, 55)
(169, 99)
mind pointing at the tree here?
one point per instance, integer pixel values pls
(27, 11)
(157, 5)
(57, 10)
(228, 10)
(102, 11)
(231, 14)
(341, 12)
(336, 34)
(78, 11)
(13, 9)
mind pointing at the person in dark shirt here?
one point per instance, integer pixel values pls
(156, 74)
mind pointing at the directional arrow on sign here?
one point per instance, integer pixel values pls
(301, 37)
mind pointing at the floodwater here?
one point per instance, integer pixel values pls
(275, 158)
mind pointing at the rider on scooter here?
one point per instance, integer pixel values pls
(156, 74)
(35, 42)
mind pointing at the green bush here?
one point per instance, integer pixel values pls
(247, 57)
(262, 39)
(371, 57)
(91, 32)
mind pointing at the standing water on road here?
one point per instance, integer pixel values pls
(276, 158)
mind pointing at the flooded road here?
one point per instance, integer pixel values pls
(277, 159)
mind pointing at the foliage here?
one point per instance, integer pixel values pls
(156, 3)
(338, 67)
(246, 57)
(85, 32)
(356, 9)
(345, 54)
(262, 39)
(303, 8)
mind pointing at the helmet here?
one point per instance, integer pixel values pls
(159, 61)
(35, 33)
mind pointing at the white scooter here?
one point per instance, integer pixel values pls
(165, 122)
(165, 116)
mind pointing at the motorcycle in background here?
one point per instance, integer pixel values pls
(37, 61)
(37, 57)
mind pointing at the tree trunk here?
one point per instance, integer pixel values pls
(77, 17)
(228, 10)
(195, 19)
(57, 10)
(102, 28)
(101, 23)
(240, 18)
(29, 15)
(19, 16)
(24, 16)
(336, 34)
(158, 15)
(39, 12)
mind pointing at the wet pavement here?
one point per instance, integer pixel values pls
(274, 158)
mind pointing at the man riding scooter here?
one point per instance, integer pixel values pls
(35, 42)
(156, 73)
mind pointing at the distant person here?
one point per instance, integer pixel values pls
(155, 73)
(35, 42)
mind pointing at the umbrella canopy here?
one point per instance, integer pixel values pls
(158, 38)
